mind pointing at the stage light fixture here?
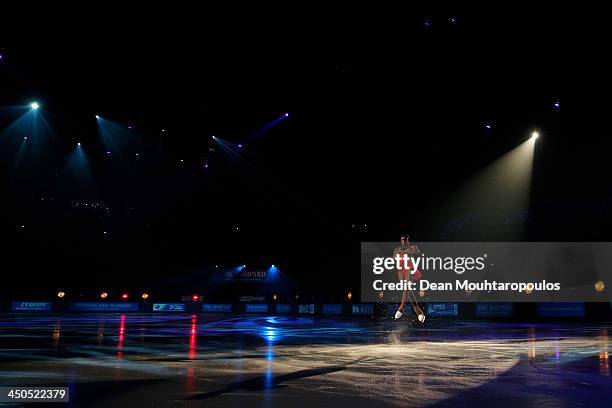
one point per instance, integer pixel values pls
(61, 294)
(273, 266)
(124, 296)
(195, 298)
(535, 135)
(145, 295)
(349, 296)
(34, 105)
(286, 114)
(97, 117)
(103, 295)
(274, 297)
(79, 143)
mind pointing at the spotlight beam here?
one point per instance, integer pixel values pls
(230, 151)
(492, 198)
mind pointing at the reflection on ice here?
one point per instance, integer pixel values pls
(283, 360)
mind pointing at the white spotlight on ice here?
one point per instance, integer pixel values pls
(535, 135)
(34, 105)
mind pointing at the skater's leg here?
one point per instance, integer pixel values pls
(418, 311)
(400, 310)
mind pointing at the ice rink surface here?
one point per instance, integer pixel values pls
(167, 360)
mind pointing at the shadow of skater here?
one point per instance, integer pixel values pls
(265, 382)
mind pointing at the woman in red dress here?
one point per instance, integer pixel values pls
(410, 250)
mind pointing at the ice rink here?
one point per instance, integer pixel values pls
(213, 360)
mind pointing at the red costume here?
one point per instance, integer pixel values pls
(401, 251)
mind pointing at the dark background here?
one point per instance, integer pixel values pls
(382, 105)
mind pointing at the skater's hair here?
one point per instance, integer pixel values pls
(404, 236)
